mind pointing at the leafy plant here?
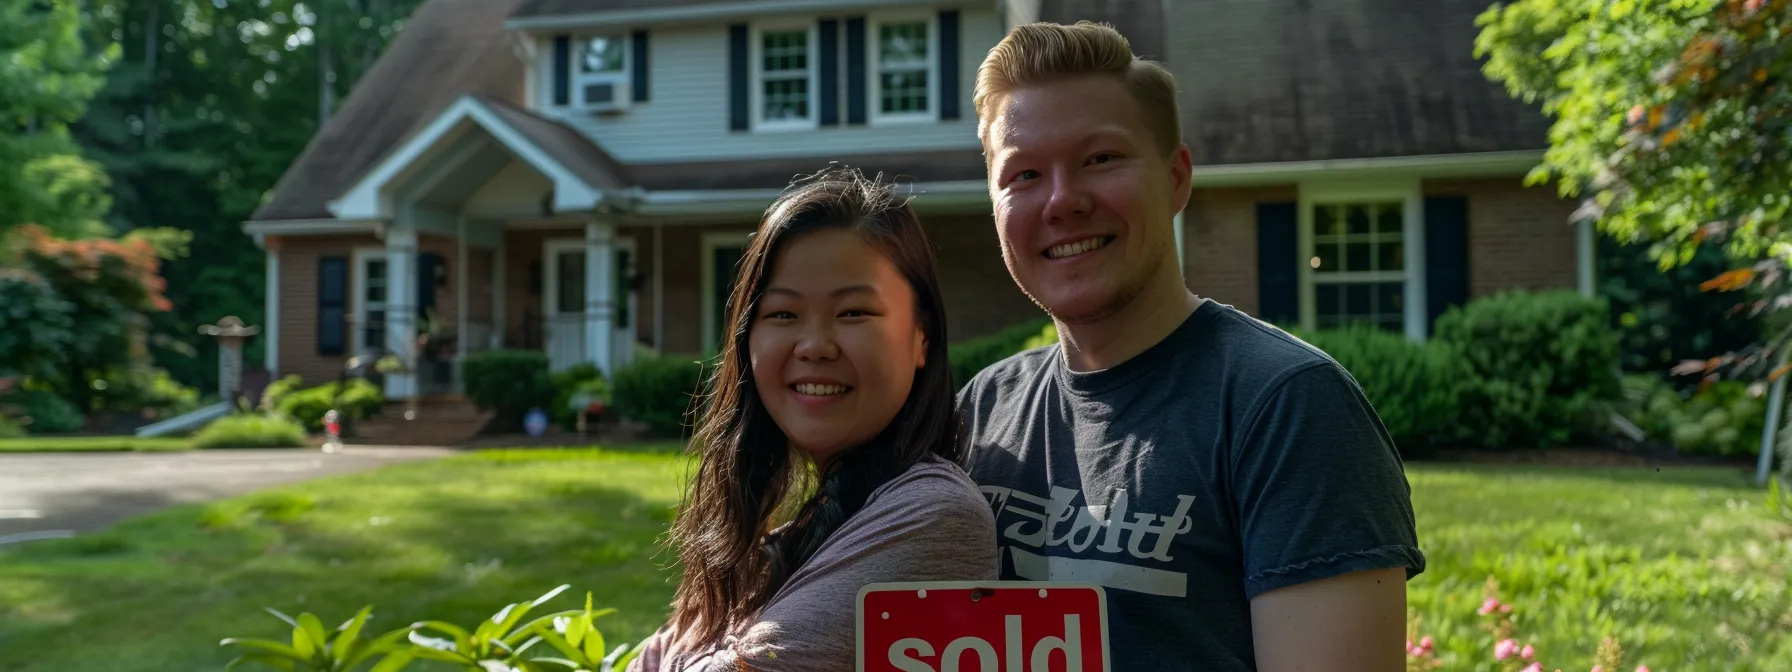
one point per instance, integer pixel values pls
(314, 650)
(250, 431)
(972, 356)
(659, 391)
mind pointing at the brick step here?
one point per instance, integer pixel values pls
(438, 421)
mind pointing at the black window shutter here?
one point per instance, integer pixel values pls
(856, 91)
(828, 43)
(428, 264)
(1446, 255)
(332, 305)
(949, 64)
(562, 70)
(1278, 263)
(738, 114)
(638, 76)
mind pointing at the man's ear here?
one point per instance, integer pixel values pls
(1181, 177)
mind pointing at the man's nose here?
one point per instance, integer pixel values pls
(1069, 199)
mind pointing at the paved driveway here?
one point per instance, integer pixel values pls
(59, 495)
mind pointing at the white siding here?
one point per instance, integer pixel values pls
(517, 190)
(687, 115)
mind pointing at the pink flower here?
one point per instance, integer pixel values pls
(1642, 668)
(1425, 643)
(1533, 667)
(1597, 668)
(1528, 652)
(1504, 649)
(1489, 605)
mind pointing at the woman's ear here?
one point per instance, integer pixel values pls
(920, 354)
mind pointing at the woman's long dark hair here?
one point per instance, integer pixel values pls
(731, 535)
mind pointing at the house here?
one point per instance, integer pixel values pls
(579, 176)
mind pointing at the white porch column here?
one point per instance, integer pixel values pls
(465, 265)
(1583, 256)
(401, 308)
(270, 324)
(500, 287)
(600, 300)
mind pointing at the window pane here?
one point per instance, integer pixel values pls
(1389, 218)
(1359, 301)
(1390, 298)
(1356, 257)
(1330, 256)
(571, 278)
(902, 43)
(1326, 221)
(904, 91)
(786, 99)
(601, 54)
(1328, 300)
(373, 332)
(1357, 219)
(376, 269)
(1390, 257)
(621, 293)
(784, 50)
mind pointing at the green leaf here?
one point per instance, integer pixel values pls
(315, 629)
(267, 645)
(275, 662)
(576, 629)
(383, 644)
(277, 614)
(594, 644)
(526, 631)
(394, 662)
(303, 643)
(462, 640)
(623, 662)
(559, 643)
(350, 631)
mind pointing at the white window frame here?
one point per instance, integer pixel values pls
(756, 96)
(578, 79)
(874, 36)
(1410, 194)
(358, 307)
(707, 285)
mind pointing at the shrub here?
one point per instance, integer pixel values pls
(359, 399)
(1537, 363)
(10, 429)
(583, 379)
(972, 356)
(1415, 388)
(659, 391)
(1722, 419)
(42, 412)
(250, 431)
(509, 382)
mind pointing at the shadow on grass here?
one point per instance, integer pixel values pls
(455, 540)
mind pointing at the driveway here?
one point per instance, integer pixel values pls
(50, 495)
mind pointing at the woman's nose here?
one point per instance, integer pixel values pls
(816, 343)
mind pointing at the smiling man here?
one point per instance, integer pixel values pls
(1228, 484)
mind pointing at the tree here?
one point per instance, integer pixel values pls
(1672, 120)
(49, 76)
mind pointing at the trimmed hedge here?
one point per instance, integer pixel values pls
(659, 390)
(250, 431)
(972, 356)
(509, 382)
(42, 412)
(360, 399)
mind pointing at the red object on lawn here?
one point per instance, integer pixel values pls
(1026, 626)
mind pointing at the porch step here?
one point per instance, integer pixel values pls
(445, 420)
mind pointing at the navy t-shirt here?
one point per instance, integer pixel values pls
(1228, 460)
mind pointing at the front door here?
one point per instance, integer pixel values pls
(564, 299)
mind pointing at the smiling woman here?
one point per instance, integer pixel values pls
(828, 443)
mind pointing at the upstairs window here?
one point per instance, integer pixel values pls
(600, 76)
(785, 62)
(904, 64)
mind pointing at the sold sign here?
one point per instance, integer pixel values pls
(999, 626)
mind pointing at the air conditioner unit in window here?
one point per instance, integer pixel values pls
(603, 95)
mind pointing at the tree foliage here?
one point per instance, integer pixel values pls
(1672, 121)
(48, 75)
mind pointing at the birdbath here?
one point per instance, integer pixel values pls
(231, 334)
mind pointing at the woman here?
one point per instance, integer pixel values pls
(828, 442)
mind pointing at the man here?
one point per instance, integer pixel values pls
(1228, 485)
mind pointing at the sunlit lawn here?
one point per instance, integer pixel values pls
(91, 444)
(1683, 566)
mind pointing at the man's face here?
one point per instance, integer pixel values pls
(1084, 197)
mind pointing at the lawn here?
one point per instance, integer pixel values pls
(1682, 565)
(92, 444)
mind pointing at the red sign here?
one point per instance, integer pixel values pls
(999, 626)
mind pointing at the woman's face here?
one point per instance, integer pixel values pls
(835, 342)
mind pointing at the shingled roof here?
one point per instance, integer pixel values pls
(448, 49)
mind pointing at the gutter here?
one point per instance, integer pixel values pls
(712, 12)
(754, 201)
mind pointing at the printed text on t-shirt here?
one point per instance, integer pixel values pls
(1036, 523)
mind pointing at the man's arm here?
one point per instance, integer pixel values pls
(1346, 623)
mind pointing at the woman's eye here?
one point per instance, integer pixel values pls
(1103, 157)
(780, 315)
(854, 313)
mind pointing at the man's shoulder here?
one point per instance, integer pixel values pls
(1019, 370)
(1260, 353)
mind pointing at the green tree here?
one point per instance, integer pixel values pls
(48, 76)
(1672, 121)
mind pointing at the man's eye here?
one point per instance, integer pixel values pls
(1026, 175)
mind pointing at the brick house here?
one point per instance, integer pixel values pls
(578, 176)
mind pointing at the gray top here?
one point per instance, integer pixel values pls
(1228, 460)
(929, 524)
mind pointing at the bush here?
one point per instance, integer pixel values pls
(972, 356)
(1722, 419)
(658, 391)
(250, 431)
(509, 382)
(42, 412)
(1415, 388)
(360, 399)
(10, 429)
(1538, 364)
(581, 379)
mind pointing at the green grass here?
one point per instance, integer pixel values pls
(92, 444)
(1683, 566)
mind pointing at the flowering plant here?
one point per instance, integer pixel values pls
(1510, 652)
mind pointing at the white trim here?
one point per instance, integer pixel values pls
(357, 288)
(368, 198)
(707, 286)
(756, 75)
(1481, 164)
(1410, 193)
(310, 227)
(270, 330)
(550, 281)
(707, 13)
(963, 193)
(874, 67)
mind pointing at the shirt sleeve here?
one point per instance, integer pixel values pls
(928, 528)
(1319, 489)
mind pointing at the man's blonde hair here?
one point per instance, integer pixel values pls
(1037, 53)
